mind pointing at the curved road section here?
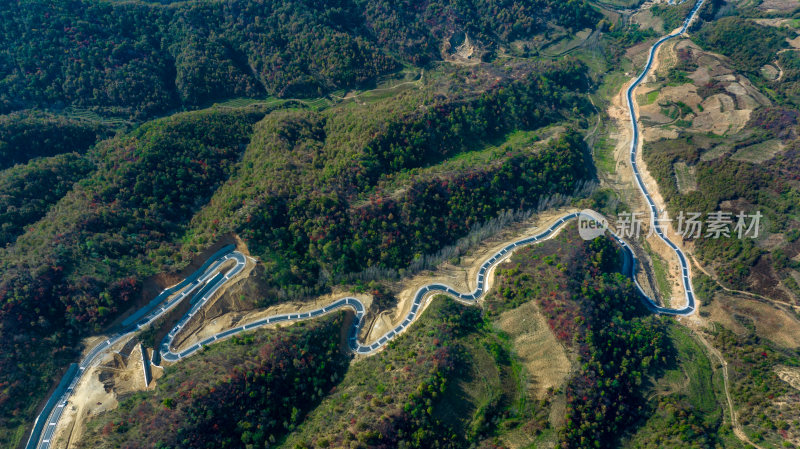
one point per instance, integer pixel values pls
(207, 280)
(654, 221)
(45, 425)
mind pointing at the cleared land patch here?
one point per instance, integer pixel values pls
(770, 322)
(545, 360)
(760, 152)
(685, 177)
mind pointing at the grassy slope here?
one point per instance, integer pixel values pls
(763, 401)
(374, 402)
(686, 406)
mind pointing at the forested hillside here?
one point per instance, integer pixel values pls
(28, 135)
(139, 59)
(245, 391)
(312, 192)
(457, 380)
(77, 268)
(364, 146)
(589, 305)
(339, 220)
(29, 190)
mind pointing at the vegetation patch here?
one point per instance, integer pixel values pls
(660, 268)
(763, 400)
(596, 312)
(249, 390)
(28, 135)
(392, 399)
(140, 59)
(30, 190)
(748, 45)
(759, 152)
(684, 409)
(603, 152)
(685, 177)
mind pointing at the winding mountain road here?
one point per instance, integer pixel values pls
(206, 281)
(654, 217)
